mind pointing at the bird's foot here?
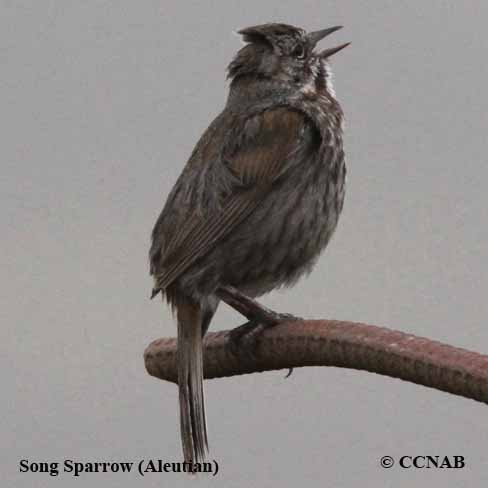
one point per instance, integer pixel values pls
(250, 308)
(269, 317)
(290, 371)
(243, 340)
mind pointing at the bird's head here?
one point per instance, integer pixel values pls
(286, 54)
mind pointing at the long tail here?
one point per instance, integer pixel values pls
(190, 380)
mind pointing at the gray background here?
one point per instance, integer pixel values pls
(101, 104)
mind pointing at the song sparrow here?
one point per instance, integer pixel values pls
(257, 201)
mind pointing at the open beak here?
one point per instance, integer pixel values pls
(316, 36)
(326, 53)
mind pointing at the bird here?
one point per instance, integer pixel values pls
(256, 203)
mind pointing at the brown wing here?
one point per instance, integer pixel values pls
(261, 151)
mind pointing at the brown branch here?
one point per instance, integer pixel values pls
(343, 344)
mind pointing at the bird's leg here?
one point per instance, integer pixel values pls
(251, 309)
(259, 317)
(242, 339)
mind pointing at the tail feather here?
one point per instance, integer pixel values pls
(190, 381)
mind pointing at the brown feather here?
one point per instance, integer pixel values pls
(267, 142)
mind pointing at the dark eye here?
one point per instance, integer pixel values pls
(299, 52)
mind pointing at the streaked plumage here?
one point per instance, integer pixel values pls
(257, 201)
